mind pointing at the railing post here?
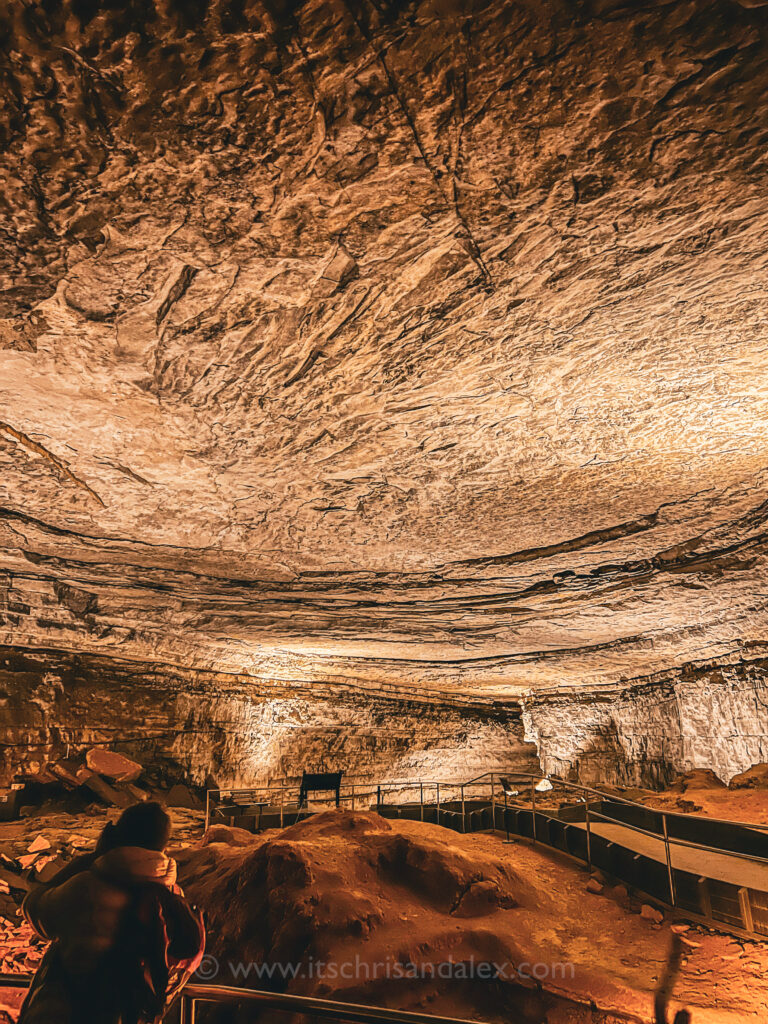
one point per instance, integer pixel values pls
(746, 909)
(192, 1011)
(704, 899)
(282, 807)
(207, 809)
(184, 1009)
(670, 873)
(378, 797)
(421, 798)
(589, 835)
(493, 803)
(353, 796)
(533, 809)
(437, 784)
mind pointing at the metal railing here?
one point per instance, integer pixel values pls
(356, 795)
(449, 801)
(185, 1006)
(328, 1009)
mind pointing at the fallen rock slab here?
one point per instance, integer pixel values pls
(182, 796)
(102, 789)
(47, 867)
(649, 913)
(112, 765)
(65, 771)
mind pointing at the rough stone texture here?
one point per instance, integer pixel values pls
(421, 343)
(706, 717)
(241, 731)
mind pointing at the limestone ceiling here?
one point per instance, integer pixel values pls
(424, 340)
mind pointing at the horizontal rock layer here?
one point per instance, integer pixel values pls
(353, 351)
(240, 731)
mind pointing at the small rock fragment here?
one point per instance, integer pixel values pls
(650, 913)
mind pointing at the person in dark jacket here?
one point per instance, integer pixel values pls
(123, 938)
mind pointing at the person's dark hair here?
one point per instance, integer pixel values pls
(146, 825)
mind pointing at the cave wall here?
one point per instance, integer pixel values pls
(711, 716)
(429, 330)
(242, 731)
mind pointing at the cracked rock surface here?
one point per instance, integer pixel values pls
(421, 343)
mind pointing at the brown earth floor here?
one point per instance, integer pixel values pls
(617, 956)
(724, 981)
(749, 806)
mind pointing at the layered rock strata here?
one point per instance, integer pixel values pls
(240, 731)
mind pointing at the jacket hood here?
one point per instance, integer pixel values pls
(135, 864)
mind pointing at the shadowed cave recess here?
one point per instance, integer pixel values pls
(383, 388)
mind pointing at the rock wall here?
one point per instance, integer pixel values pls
(239, 730)
(243, 730)
(711, 716)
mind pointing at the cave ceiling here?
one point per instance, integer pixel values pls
(421, 341)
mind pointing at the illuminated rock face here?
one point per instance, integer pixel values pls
(419, 345)
(235, 731)
(710, 716)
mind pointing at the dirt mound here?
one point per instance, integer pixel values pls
(296, 893)
(404, 914)
(340, 906)
(354, 892)
(755, 777)
(698, 778)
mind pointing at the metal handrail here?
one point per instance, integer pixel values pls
(603, 795)
(16, 980)
(193, 993)
(676, 841)
(490, 777)
(328, 1008)
(355, 793)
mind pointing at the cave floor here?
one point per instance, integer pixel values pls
(58, 828)
(724, 979)
(745, 806)
(618, 955)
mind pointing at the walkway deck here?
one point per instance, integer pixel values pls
(723, 866)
